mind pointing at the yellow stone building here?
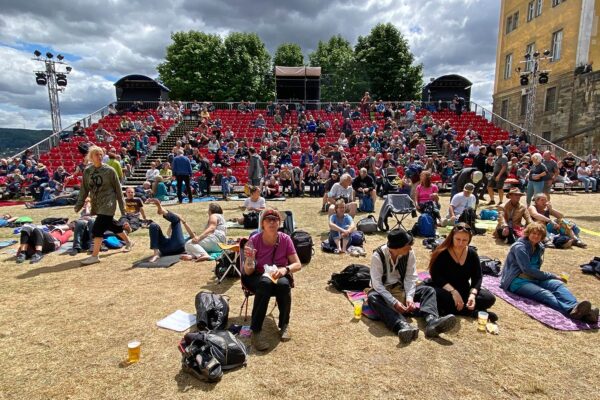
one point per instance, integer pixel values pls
(567, 108)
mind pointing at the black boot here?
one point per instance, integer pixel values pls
(406, 332)
(435, 326)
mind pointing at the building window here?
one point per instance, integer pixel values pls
(504, 109)
(530, 11)
(547, 135)
(508, 66)
(557, 45)
(550, 99)
(508, 24)
(530, 49)
(538, 7)
(515, 21)
(523, 105)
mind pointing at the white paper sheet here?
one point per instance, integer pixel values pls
(178, 321)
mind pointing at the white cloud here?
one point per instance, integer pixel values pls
(115, 38)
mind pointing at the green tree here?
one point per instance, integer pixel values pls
(384, 58)
(338, 66)
(248, 67)
(288, 55)
(193, 68)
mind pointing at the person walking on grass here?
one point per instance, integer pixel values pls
(101, 184)
(182, 171)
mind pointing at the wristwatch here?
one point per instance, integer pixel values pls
(287, 269)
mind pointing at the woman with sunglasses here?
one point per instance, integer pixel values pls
(270, 247)
(456, 276)
(522, 275)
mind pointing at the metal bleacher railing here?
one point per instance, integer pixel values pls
(54, 139)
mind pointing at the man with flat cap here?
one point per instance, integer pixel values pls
(395, 293)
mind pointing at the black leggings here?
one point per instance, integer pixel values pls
(484, 300)
(34, 237)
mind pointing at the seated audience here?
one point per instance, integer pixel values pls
(459, 203)
(395, 293)
(522, 275)
(456, 276)
(270, 247)
(342, 190)
(215, 232)
(565, 233)
(228, 183)
(271, 188)
(253, 204)
(364, 185)
(511, 216)
(584, 175)
(341, 227)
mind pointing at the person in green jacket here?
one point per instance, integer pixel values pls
(101, 184)
(115, 164)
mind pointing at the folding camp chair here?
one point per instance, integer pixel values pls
(400, 206)
(232, 258)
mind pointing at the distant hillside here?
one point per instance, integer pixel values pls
(14, 140)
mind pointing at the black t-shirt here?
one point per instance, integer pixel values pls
(133, 206)
(362, 183)
(462, 277)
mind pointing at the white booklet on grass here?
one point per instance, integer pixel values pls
(178, 321)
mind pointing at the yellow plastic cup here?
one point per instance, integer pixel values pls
(134, 349)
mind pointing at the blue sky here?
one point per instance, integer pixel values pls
(104, 41)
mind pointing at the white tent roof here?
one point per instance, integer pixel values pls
(297, 71)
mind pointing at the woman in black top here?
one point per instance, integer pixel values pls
(456, 276)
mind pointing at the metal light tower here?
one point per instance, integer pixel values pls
(56, 82)
(531, 78)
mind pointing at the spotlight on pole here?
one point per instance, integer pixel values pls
(536, 54)
(527, 56)
(61, 80)
(41, 79)
(37, 53)
(543, 78)
(60, 57)
(69, 69)
(49, 55)
(524, 79)
(546, 52)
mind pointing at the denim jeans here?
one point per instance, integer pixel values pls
(167, 245)
(533, 188)
(82, 234)
(586, 180)
(551, 292)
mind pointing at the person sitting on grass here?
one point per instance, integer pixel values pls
(228, 183)
(174, 242)
(341, 227)
(159, 189)
(253, 204)
(395, 293)
(511, 216)
(270, 247)
(134, 209)
(215, 232)
(272, 188)
(342, 190)
(34, 243)
(566, 234)
(459, 203)
(522, 275)
(456, 276)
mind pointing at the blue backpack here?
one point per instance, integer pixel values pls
(490, 215)
(366, 204)
(113, 242)
(425, 226)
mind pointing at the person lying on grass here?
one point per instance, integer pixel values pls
(174, 242)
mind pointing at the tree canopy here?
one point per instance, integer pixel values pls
(288, 55)
(205, 66)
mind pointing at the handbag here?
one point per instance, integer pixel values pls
(367, 224)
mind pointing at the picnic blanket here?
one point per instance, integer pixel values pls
(162, 262)
(6, 243)
(535, 310)
(361, 296)
(234, 224)
(488, 225)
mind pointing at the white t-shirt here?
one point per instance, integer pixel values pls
(460, 202)
(337, 191)
(258, 204)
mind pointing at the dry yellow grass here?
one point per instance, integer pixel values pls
(64, 330)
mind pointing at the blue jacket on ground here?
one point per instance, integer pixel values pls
(517, 262)
(181, 166)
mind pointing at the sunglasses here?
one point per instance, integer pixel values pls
(459, 228)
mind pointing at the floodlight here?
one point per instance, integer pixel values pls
(536, 54)
(546, 52)
(61, 79)
(527, 56)
(60, 57)
(37, 53)
(69, 69)
(40, 78)
(49, 55)
(543, 78)
(524, 79)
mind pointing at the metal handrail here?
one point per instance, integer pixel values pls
(538, 141)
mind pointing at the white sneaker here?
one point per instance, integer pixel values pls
(90, 260)
(128, 246)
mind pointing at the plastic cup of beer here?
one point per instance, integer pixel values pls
(482, 319)
(358, 309)
(565, 276)
(134, 349)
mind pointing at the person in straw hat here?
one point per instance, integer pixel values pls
(511, 216)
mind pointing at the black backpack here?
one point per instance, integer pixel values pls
(354, 277)
(490, 266)
(212, 311)
(288, 223)
(55, 221)
(469, 217)
(303, 244)
(223, 263)
(251, 220)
